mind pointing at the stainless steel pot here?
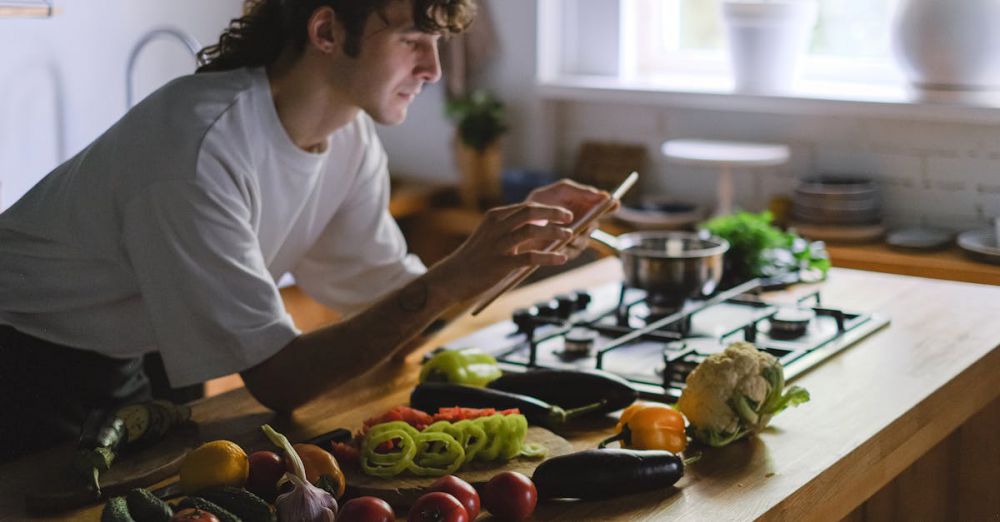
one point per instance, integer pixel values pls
(672, 265)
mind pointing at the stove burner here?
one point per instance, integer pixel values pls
(578, 342)
(791, 323)
(613, 328)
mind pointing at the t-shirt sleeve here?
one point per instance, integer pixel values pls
(361, 254)
(213, 305)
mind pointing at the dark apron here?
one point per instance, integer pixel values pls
(47, 390)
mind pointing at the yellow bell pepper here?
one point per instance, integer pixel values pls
(650, 426)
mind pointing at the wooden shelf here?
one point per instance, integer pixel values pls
(951, 264)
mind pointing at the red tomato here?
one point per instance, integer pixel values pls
(461, 490)
(193, 515)
(437, 507)
(266, 468)
(366, 509)
(510, 495)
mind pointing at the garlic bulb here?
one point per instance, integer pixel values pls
(305, 502)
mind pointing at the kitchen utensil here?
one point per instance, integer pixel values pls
(402, 491)
(919, 238)
(675, 265)
(578, 226)
(981, 245)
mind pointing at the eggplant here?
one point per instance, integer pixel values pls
(432, 396)
(598, 474)
(337, 435)
(570, 388)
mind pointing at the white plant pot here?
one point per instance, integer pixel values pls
(766, 42)
(949, 44)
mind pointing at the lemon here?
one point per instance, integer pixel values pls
(216, 463)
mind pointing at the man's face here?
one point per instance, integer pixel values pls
(396, 60)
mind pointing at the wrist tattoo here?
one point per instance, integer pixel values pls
(413, 297)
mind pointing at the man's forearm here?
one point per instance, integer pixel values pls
(321, 360)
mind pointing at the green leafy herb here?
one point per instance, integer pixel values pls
(759, 249)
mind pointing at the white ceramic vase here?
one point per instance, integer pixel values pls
(767, 39)
(949, 44)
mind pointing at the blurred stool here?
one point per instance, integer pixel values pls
(727, 156)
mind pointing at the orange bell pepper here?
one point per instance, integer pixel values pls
(650, 426)
(321, 468)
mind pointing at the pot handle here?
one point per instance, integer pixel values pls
(604, 238)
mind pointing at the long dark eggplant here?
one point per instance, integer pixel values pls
(431, 396)
(570, 389)
(606, 473)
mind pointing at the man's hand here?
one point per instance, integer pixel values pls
(576, 198)
(515, 236)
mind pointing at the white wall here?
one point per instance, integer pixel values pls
(62, 79)
(944, 174)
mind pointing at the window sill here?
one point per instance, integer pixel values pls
(716, 93)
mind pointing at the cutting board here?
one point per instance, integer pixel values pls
(141, 468)
(404, 490)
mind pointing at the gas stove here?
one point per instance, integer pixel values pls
(629, 333)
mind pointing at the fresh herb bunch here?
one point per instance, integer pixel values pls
(480, 117)
(759, 249)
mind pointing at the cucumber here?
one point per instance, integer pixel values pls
(241, 503)
(116, 510)
(144, 506)
(206, 505)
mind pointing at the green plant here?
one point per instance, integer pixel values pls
(480, 117)
(759, 249)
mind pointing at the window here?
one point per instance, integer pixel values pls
(850, 42)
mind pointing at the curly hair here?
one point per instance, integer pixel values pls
(267, 27)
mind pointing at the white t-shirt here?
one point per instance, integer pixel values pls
(169, 231)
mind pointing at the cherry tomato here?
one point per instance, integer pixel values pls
(437, 506)
(366, 509)
(193, 515)
(266, 468)
(461, 490)
(510, 495)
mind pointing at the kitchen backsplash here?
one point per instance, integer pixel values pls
(933, 173)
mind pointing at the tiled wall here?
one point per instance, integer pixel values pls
(932, 173)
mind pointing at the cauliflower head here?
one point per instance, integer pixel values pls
(734, 393)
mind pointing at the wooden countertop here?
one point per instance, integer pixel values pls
(875, 408)
(950, 263)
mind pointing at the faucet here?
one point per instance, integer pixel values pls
(157, 33)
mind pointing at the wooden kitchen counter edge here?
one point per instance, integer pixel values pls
(876, 408)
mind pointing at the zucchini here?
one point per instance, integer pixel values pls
(241, 503)
(223, 514)
(116, 510)
(104, 435)
(144, 506)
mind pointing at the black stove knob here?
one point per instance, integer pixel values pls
(524, 319)
(567, 305)
(582, 299)
(548, 309)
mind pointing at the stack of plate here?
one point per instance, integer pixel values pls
(838, 209)
(981, 245)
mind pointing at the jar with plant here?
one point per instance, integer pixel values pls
(480, 120)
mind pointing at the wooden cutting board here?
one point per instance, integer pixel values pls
(404, 490)
(142, 468)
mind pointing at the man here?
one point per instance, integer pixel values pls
(168, 232)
